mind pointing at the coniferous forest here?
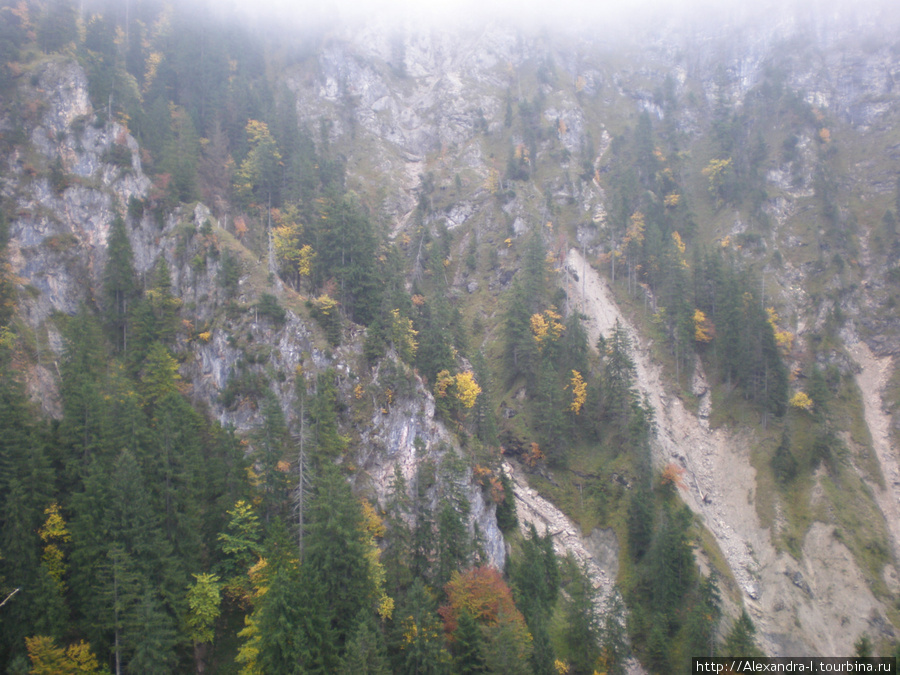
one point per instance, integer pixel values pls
(145, 529)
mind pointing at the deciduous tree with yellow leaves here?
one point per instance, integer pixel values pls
(579, 392)
(704, 330)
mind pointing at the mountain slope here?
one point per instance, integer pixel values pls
(652, 275)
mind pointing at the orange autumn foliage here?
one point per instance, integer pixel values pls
(483, 593)
(673, 475)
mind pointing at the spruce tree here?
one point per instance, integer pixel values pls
(328, 443)
(118, 281)
(520, 350)
(613, 635)
(741, 640)
(366, 653)
(175, 470)
(334, 566)
(468, 645)
(271, 442)
(582, 632)
(81, 369)
(152, 635)
(453, 542)
(278, 620)
(396, 556)
(418, 637)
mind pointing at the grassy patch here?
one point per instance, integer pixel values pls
(710, 548)
(891, 398)
(826, 489)
(784, 508)
(860, 525)
(847, 411)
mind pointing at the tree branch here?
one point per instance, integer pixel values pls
(9, 596)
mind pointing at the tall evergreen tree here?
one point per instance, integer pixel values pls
(741, 640)
(271, 444)
(327, 441)
(520, 349)
(366, 653)
(81, 370)
(582, 632)
(119, 282)
(418, 635)
(535, 578)
(334, 567)
(468, 646)
(153, 635)
(346, 247)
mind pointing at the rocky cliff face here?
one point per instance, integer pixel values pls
(58, 250)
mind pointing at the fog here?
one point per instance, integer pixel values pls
(604, 18)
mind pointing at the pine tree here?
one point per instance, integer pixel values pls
(582, 633)
(741, 640)
(485, 419)
(118, 597)
(468, 646)
(640, 522)
(453, 545)
(327, 441)
(397, 552)
(152, 636)
(155, 317)
(701, 622)
(535, 576)
(180, 154)
(159, 376)
(80, 429)
(277, 620)
(119, 282)
(174, 468)
(435, 350)
(423, 534)
(520, 349)
(57, 26)
(784, 464)
(257, 180)
(270, 451)
(334, 557)
(618, 376)
(550, 415)
(670, 562)
(573, 346)
(346, 248)
(215, 168)
(613, 635)
(366, 653)
(418, 635)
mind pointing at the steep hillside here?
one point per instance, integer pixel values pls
(638, 287)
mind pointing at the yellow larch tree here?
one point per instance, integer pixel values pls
(802, 401)
(54, 534)
(783, 338)
(704, 331)
(403, 336)
(546, 327)
(717, 172)
(374, 529)
(467, 389)
(579, 392)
